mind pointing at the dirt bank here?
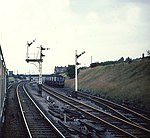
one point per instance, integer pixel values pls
(122, 82)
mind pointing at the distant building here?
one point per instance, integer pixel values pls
(59, 70)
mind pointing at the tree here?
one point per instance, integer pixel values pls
(121, 60)
(71, 71)
(129, 60)
(92, 65)
(148, 52)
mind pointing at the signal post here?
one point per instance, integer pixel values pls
(40, 60)
(76, 73)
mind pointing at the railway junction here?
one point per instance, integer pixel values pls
(86, 116)
(31, 109)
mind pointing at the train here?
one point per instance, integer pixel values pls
(3, 85)
(55, 80)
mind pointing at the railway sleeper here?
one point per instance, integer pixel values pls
(67, 127)
(91, 126)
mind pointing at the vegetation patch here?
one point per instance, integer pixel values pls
(123, 82)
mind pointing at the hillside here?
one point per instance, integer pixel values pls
(129, 83)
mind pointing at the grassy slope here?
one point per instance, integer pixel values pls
(122, 82)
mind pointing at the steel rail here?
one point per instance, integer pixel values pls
(110, 102)
(26, 123)
(22, 112)
(97, 118)
(54, 127)
(94, 99)
(77, 101)
(109, 107)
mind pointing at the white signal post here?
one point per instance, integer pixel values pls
(40, 60)
(40, 71)
(28, 45)
(76, 71)
(40, 68)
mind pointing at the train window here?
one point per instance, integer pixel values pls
(54, 78)
(57, 78)
(62, 78)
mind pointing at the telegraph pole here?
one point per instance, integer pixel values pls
(40, 60)
(76, 72)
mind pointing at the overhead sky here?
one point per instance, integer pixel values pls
(104, 29)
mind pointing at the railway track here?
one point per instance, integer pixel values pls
(37, 124)
(13, 126)
(118, 126)
(116, 109)
(125, 112)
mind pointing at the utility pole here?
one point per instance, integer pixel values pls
(76, 72)
(40, 60)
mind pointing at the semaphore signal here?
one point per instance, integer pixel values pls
(40, 60)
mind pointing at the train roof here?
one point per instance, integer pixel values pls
(55, 75)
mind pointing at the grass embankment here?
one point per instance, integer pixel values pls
(120, 82)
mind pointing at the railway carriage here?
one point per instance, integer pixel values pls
(55, 80)
(3, 83)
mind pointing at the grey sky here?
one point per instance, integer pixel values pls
(105, 29)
